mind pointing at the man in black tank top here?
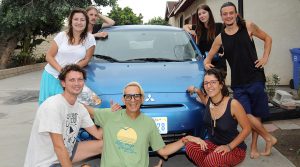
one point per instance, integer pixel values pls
(247, 74)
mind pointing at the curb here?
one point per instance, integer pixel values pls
(11, 72)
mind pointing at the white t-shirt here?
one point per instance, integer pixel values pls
(55, 115)
(69, 54)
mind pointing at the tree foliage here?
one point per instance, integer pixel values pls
(125, 16)
(24, 20)
(157, 21)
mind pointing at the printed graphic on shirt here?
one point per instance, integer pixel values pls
(126, 138)
(71, 131)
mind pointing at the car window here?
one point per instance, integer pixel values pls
(140, 44)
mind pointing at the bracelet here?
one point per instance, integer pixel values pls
(229, 147)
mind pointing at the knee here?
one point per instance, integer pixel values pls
(189, 148)
(192, 149)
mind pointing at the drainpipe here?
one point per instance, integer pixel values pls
(241, 8)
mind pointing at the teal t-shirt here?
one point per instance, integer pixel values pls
(126, 141)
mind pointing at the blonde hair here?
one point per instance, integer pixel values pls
(91, 8)
(134, 83)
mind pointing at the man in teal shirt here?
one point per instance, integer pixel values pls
(129, 133)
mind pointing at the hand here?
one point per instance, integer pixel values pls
(197, 140)
(192, 32)
(101, 34)
(223, 149)
(260, 63)
(114, 106)
(208, 66)
(99, 14)
(191, 89)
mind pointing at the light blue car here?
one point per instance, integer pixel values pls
(165, 61)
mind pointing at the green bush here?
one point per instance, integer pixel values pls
(41, 59)
(272, 83)
(22, 59)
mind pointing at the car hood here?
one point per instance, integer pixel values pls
(164, 77)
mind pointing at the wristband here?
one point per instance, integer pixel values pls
(229, 147)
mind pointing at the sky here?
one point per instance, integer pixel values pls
(148, 8)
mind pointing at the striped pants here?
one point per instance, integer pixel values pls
(209, 158)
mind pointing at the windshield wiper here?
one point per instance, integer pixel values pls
(152, 60)
(107, 58)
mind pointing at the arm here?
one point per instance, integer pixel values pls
(239, 114)
(87, 57)
(50, 56)
(107, 22)
(113, 106)
(96, 132)
(259, 33)
(189, 28)
(90, 110)
(202, 96)
(60, 150)
(170, 148)
(213, 50)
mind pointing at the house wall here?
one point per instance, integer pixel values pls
(280, 19)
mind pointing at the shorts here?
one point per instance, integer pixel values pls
(72, 156)
(253, 98)
(49, 86)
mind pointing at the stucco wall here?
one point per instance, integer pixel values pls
(280, 19)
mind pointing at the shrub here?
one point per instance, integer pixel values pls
(272, 83)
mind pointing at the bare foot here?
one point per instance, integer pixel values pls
(254, 155)
(269, 145)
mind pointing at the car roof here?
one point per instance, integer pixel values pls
(142, 27)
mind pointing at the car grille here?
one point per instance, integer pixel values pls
(172, 137)
(159, 106)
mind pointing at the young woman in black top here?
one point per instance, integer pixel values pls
(205, 32)
(225, 144)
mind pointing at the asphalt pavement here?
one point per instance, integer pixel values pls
(18, 104)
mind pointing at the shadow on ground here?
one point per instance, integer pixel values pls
(288, 144)
(21, 96)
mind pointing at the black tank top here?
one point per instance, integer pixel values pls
(226, 127)
(204, 45)
(240, 52)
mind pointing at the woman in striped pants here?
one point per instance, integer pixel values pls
(224, 144)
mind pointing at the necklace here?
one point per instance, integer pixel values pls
(217, 103)
(211, 106)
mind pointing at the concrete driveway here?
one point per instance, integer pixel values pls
(18, 103)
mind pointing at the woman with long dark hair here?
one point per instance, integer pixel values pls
(205, 31)
(224, 145)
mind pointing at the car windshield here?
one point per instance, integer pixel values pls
(145, 45)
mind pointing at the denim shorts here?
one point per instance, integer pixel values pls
(72, 156)
(253, 98)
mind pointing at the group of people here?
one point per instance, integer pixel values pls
(126, 134)
(232, 42)
(75, 45)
